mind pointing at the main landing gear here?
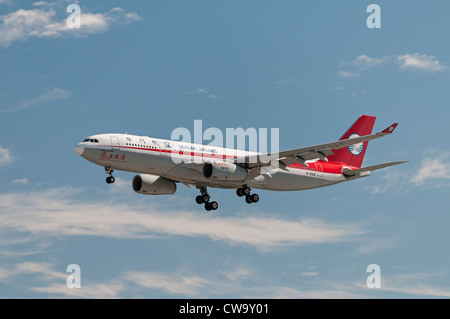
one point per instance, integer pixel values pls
(110, 179)
(204, 199)
(245, 191)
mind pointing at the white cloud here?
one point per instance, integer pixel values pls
(43, 269)
(411, 284)
(197, 91)
(56, 281)
(238, 273)
(431, 168)
(188, 286)
(42, 3)
(55, 212)
(432, 172)
(132, 16)
(210, 284)
(416, 61)
(365, 62)
(42, 22)
(49, 95)
(333, 291)
(5, 156)
(348, 74)
(421, 62)
(96, 291)
(309, 273)
(176, 283)
(202, 91)
(20, 181)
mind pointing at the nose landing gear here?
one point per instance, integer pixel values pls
(110, 179)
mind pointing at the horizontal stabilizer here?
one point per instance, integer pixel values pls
(350, 172)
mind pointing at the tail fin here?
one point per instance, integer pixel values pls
(354, 154)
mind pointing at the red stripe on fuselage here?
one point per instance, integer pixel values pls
(329, 167)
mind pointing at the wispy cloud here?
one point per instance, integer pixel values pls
(52, 94)
(20, 181)
(421, 62)
(43, 22)
(5, 156)
(48, 280)
(44, 269)
(43, 3)
(54, 212)
(53, 282)
(432, 169)
(414, 61)
(189, 286)
(413, 284)
(348, 74)
(197, 91)
(365, 62)
(309, 273)
(202, 91)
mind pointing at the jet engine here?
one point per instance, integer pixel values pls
(153, 185)
(224, 171)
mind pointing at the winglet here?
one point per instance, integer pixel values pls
(390, 129)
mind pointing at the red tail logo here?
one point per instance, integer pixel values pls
(354, 154)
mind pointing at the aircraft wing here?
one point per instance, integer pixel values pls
(301, 155)
(351, 172)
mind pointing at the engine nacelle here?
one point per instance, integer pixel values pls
(153, 185)
(224, 171)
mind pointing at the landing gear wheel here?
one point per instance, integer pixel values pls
(199, 199)
(214, 205)
(248, 199)
(240, 192)
(110, 179)
(246, 190)
(205, 198)
(254, 198)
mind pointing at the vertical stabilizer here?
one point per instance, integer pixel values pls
(354, 154)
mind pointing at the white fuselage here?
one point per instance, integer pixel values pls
(175, 161)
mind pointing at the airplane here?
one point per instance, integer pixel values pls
(161, 163)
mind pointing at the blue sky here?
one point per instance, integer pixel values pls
(148, 67)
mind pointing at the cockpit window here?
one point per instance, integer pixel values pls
(92, 140)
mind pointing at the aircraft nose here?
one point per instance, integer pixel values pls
(79, 149)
